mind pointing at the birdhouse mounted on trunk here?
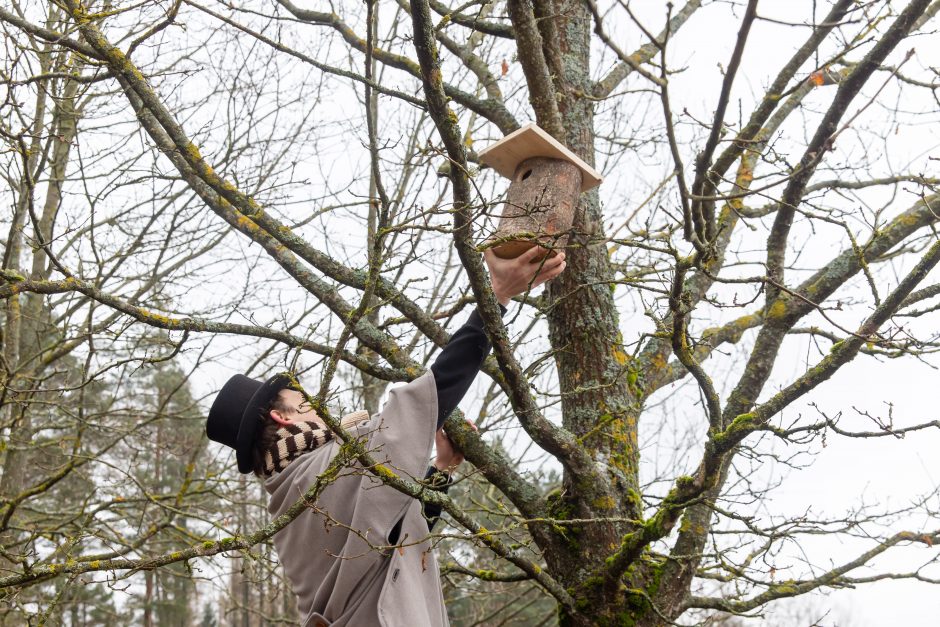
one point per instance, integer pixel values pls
(545, 181)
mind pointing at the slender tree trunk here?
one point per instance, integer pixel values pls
(372, 388)
(243, 581)
(24, 334)
(148, 599)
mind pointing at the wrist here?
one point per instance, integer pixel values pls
(444, 465)
(502, 299)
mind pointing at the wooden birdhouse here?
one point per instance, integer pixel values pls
(545, 181)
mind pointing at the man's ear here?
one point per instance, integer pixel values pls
(279, 418)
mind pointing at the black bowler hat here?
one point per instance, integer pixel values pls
(234, 416)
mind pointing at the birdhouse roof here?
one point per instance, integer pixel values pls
(531, 141)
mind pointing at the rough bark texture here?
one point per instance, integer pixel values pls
(597, 400)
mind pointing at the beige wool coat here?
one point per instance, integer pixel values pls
(339, 576)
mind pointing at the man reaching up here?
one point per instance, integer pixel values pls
(337, 553)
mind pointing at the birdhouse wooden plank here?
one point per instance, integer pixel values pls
(546, 180)
(531, 141)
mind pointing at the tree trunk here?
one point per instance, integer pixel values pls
(25, 327)
(601, 398)
(148, 599)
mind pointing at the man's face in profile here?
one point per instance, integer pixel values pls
(291, 406)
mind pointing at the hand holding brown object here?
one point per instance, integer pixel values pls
(511, 277)
(448, 456)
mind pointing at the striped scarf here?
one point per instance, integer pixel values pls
(297, 438)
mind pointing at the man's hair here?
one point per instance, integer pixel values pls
(267, 433)
(267, 429)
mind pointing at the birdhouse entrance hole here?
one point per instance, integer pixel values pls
(545, 181)
(539, 208)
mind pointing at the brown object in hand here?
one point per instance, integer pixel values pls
(539, 208)
(547, 179)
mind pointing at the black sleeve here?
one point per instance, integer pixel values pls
(458, 364)
(439, 481)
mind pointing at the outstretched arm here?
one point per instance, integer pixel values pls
(460, 361)
(458, 364)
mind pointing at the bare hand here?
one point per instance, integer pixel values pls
(448, 457)
(511, 277)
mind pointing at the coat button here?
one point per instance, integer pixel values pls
(320, 623)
